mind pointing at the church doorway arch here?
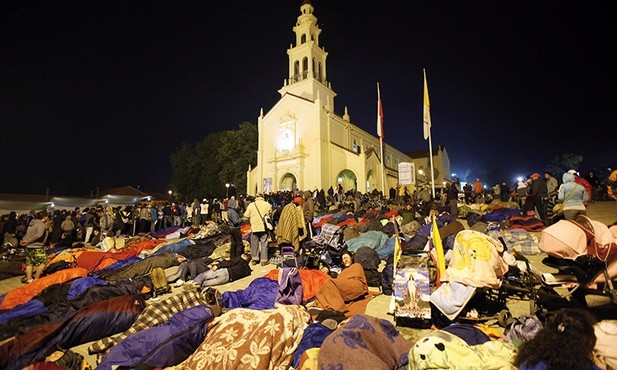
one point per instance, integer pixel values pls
(371, 181)
(347, 179)
(288, 182)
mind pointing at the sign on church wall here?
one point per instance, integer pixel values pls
(406, 173)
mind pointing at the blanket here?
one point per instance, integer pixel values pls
(249, 339)
(364, 342)
(476, 260)
(348, 293)
(373, 239)
(443, 350)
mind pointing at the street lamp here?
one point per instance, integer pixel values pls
(227, 190)
(170, 193)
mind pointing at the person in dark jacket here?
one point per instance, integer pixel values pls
(225, 271)
(539, 194)
(234, 220)
(452, 197)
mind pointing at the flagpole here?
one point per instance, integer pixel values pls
(380, 132)
(430, 153)
(427, 131)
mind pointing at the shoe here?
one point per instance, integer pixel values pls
(178, 283)
(253, 262)
(265, 263)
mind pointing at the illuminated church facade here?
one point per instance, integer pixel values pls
(304, 144)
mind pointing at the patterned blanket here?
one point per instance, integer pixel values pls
(364, 342)
(250, 339)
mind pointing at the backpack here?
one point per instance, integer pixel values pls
(268, 224)
(159, 280)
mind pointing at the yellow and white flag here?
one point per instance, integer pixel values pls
(426, 118)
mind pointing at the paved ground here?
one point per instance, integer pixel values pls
(605, 212)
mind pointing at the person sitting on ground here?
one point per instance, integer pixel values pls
(224, 272)
(108, 244)
(337, 294)
(565, 342)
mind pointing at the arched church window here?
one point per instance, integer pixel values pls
(296, 75)
(304, 67)
(303, 39)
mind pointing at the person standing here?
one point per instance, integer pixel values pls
(521, 192)
(291, 227)
(34, 240)
(573, 197)
(308, 208)
(255, 213)
(468, 191)
(203, 211)
(539, 194)
(10, 230)
(452, 197)
(88, 224)
(611, 185)
(477, 189)
(552, 185)
(593, 180)
(234, 220)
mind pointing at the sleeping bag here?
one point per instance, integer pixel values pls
(163, 345)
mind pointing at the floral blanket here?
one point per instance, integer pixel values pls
(251, 339)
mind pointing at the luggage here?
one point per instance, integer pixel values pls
(290, 283)
(159, 280)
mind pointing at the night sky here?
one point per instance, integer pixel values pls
(101, 93)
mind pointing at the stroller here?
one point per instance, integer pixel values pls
(324, 248)
(584, 252)
(472, 288)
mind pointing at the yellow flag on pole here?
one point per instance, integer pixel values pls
(441, 260)
(397, 244)
(426, 117)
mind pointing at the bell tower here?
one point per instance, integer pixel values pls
(307, 61)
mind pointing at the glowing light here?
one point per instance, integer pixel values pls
(170, 192)
(519, 179)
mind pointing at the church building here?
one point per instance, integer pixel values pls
(304, 144)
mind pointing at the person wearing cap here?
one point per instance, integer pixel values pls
(291, 228)
(539, 194)
(234, 221)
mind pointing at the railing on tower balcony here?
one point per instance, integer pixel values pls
(303, 76)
